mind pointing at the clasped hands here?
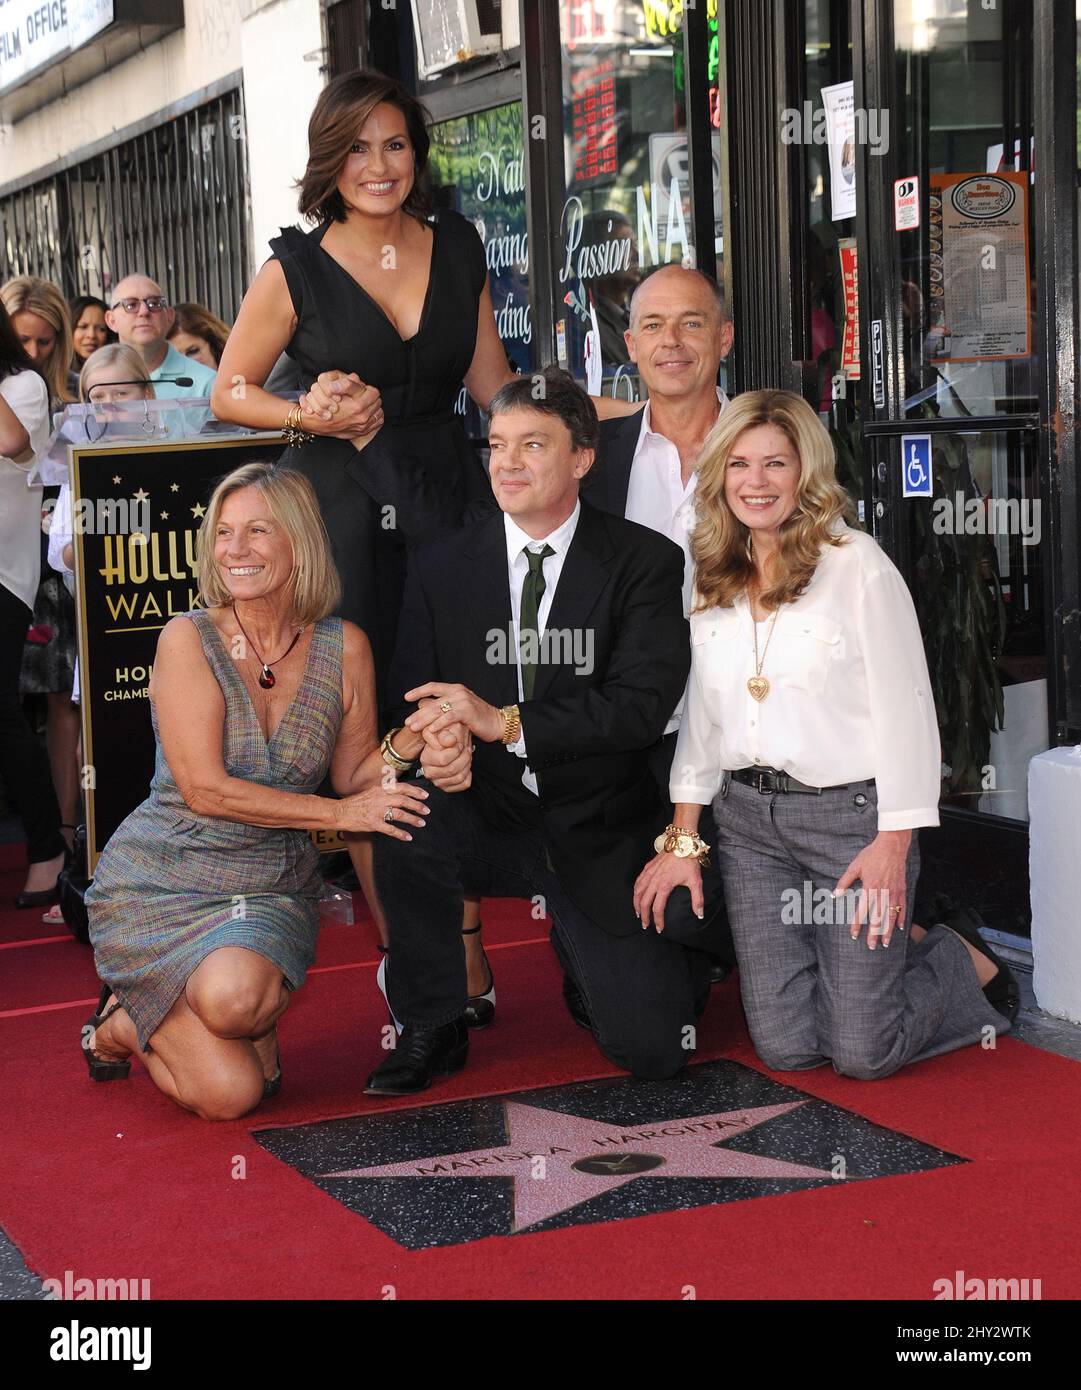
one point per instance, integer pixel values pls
(447, 717)
(341, 405)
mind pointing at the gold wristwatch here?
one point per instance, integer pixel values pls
(512, 724)
(684, 844)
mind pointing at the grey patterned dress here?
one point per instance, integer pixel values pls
(172, 886)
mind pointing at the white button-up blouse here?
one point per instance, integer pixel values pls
(849, 697)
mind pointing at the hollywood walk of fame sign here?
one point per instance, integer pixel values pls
(589, 1152)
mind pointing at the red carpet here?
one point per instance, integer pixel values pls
(115, 1182)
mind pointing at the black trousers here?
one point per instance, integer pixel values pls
(640, 989)
(24, 766)
(678, 911)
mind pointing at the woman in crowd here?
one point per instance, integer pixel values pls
(89, 331)
(198, 333)
(24, 768)
(204, 906)
(811, 727)
(39, 314)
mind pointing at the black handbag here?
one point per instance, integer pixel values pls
(72, 883)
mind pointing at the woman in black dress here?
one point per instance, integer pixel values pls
(403, 304)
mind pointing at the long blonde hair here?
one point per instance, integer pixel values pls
(721, 544)
(26, 294)
(290, 498)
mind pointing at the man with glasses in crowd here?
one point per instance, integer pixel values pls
(141, 316)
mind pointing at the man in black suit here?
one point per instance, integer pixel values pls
(555, 635)
(680, 331)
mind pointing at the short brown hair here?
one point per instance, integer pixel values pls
(551, 391)
(342, 110)
(197, 321)
(316, 588)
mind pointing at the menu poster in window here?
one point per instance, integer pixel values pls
(979, 272)
(839, 105)
(593, 122)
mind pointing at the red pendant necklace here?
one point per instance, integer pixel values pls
(267, 678)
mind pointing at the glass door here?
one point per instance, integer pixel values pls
(918, 170)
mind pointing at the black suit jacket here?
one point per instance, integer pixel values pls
(587, 731)
(610, 477)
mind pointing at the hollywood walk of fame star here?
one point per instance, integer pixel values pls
(142, 496)
(583, 1158)
(198, 510)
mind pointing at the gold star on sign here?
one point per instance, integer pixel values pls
(198, 509)
(116, 480)
(165, 516)
(174, 487)
(142, 496)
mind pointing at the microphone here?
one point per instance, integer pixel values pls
(177, 380)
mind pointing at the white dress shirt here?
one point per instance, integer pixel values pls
(517, 569)
(657, 497)
(849, 698)
(20, 505)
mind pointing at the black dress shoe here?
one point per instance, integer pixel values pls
(719, 970)
(1002, 990)
(576, 1004)
(420, 1055)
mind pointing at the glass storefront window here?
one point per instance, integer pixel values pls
(965, 132)
(476, 167)
(627, 203)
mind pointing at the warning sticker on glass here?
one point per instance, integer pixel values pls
(978, 273)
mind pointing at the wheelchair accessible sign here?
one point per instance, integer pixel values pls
(916, 465)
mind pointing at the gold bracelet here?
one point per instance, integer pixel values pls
(684, 844)
(390, 756)
(512, 724)
(294, 435)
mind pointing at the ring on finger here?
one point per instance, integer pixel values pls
(389, 814)
(444, 705)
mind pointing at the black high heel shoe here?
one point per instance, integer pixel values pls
(1002, 991)
(101, 1070)
(480, 1008)
(45, 897)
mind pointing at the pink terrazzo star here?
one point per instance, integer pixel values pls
(546, 1150)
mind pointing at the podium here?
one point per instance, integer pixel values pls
(141, 475)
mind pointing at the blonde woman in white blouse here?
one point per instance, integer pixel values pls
(24, 768)
(810, 726)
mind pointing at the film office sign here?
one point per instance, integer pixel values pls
(130, 581)
(37, 33)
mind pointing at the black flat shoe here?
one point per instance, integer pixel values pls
(421, 1054)
(480, 1008)
(273, 1086)
(576, 1004)
(1002, 991)
(101, 1070)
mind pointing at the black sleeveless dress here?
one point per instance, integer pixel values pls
(419, 473)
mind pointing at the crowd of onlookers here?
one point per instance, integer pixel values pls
(53, 353)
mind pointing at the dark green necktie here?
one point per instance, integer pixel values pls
(528, 630)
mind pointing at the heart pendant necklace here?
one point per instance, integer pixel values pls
(267, 679)
(757, 684)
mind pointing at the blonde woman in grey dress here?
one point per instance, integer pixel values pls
(204, 906)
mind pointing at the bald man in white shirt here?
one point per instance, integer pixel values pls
(680, 332)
